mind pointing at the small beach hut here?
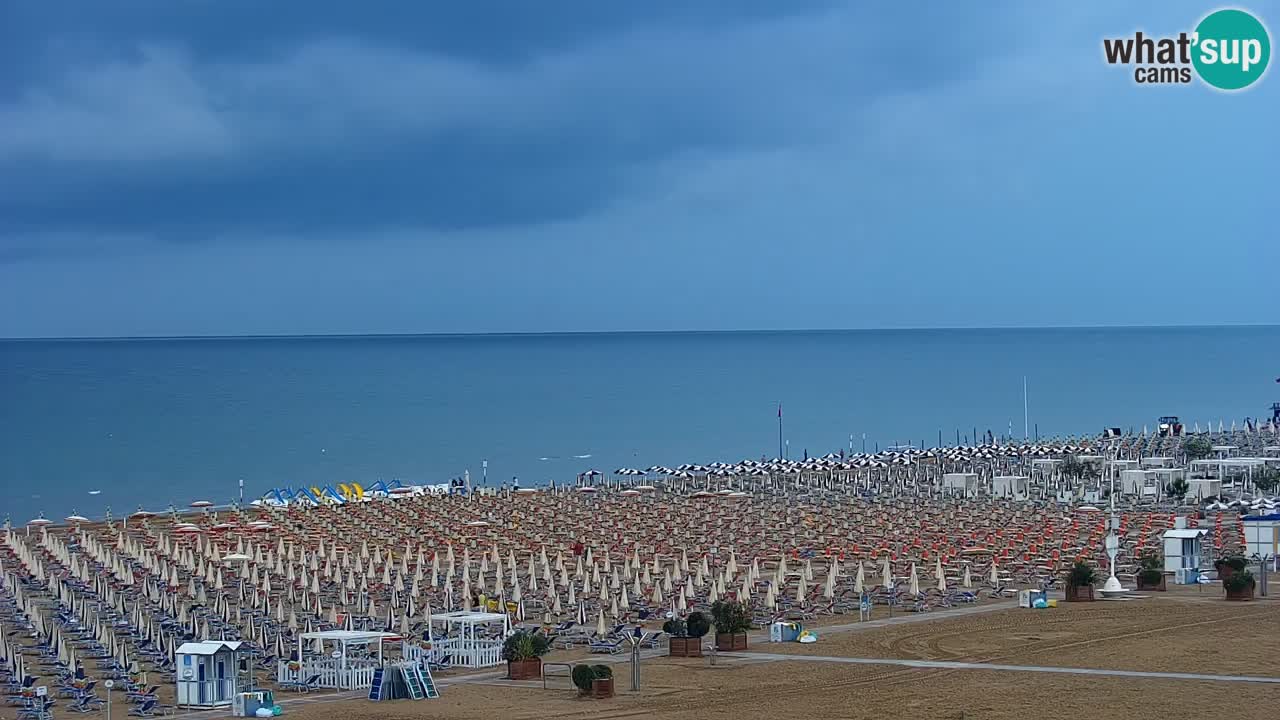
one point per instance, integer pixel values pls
(1262, 535)
(1182, 551)
(339, 669)
(208, 674)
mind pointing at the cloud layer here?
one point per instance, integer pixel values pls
(685, 167)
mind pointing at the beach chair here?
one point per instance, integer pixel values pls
(150, 708)
(652, 639)
(611, 646)
(37, 709)
(305, 686)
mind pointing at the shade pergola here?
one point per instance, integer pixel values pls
(337, 671)
(470, 639)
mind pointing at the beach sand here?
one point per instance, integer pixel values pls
(1178, 632)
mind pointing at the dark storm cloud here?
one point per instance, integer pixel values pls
(192, 120)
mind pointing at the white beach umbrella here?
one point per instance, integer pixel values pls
(859, 579)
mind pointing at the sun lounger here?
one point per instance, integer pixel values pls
(305, 686)
(612, 646)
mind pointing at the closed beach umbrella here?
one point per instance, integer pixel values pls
(859, 579)
(967, 582)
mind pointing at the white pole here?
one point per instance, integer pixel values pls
(1026, 418)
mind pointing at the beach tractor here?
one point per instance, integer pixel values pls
(1170, 426)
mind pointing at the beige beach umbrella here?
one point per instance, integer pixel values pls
(600, 626)
(624, 601)
(967, 582)
(636, 587)
(859, 579)
(829, 587)
(940, 575)
(656, 597)
(573, 598)
(995, 574)
(556, 607)
(682, 601)
(914, 588)
(886, 574)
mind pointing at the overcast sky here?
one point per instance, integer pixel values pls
(192, 168)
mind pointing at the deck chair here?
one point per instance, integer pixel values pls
(305, 686)
(611, 647)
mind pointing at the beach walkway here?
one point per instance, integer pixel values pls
(948, 665)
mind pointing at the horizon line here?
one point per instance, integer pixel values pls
(572, 333)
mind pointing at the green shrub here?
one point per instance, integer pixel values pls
(1081, 575)
(1177, 488)
(522, 645)
(582, 677)
(1197, 447)
(1267, 480)
(1235, 562)
(1150, 576)
(675, 627)
(1151, 561)
(1240, 581)
(697, 625)
(731, 617)
(602, 672)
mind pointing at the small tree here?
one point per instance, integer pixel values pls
(1267, 480)
(696, 625)
(1152, 568)
(1177, 488)
(582, 676)
(1081, 575)
(522, 645)
(731, 617)
(1072, 467)
(1197, 448)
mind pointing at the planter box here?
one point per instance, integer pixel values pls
(730, 642)
(1241, 595)
(1156, 587)
(525, 669)
(1082, 593)
(684, 647)
(602, 688)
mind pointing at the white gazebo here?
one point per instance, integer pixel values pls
(334, 666)
(469, 639)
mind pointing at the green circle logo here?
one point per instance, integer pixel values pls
(1232, 49)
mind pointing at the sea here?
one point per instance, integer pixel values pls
(97, 425)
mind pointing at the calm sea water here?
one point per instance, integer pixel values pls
(160, 421)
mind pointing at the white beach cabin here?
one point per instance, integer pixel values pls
(470, 639)
(343, 659)
(1182, 551)
(960, 484)
(1262, 535)
(1010, 487)
(208, 673)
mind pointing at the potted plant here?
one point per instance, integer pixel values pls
(1151, 576)
(593, 680)
(602, 684)
(1228, 566)
(1239, 585)
(1080, 582)
(686, 635)
(732, 620)
(523, 652)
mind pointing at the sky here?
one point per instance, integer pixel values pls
(188, 167)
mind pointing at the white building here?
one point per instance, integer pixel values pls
(208, 673)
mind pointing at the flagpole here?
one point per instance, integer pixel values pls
(779, 429)
(1026, 424)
